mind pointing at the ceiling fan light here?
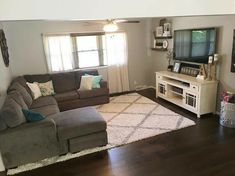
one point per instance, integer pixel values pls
(110, 27)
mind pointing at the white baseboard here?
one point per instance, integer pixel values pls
(143, 87)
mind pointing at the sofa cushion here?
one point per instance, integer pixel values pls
(38, 78)
(71, 95)
(12, 113)
(92, 93)
(26, 96)
(3, 125)
(47, 110)
(64, 82)
(21, 80)
(80, 73)
(43, 101)
(79, 122)
(15, 95)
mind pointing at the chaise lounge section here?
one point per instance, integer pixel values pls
(69, 125)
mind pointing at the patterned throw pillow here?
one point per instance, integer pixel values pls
(47, 88)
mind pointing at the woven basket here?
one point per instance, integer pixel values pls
(227, 114)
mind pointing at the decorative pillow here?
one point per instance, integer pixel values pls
(96, 81)
(35, 90)
(46, 88)
(86, 83)
(32, 116)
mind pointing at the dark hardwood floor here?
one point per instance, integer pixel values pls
(205, 149)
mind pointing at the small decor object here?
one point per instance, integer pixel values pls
(189, 71)
(34, 89)
(214, 68)
(4, 48)
(167, 29)
(47, 88)
(227, 112)
(164, 44)
(176, 67)
(233, 54)
(203, 70)
(154, 43)
(32, 116)
(210, 62)
(162, 22)
(159, 31)
(159, 45)
(169, 56)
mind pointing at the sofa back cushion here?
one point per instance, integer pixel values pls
(3, 125)
(12, 113)
(23, 92)
(38, 78)
(17, 97)
(80, 73)
(21, 80)
(64, 82)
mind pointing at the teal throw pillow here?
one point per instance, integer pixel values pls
(32, 116)
(96, 80)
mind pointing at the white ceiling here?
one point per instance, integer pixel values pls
(104, 9)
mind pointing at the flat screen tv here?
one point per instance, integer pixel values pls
(194, 45)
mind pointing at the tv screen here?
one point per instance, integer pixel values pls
(194, 45)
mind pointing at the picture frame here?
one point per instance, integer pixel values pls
(167, 29)
(176, 67)
(159, 31)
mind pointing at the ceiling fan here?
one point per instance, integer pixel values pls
(110, 25)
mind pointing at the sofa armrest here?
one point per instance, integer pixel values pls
(103, 84)
(29, 142)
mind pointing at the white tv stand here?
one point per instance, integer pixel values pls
(197, 96)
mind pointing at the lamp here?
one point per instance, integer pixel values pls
(111, 26)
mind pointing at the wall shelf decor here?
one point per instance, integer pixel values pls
(4, 48)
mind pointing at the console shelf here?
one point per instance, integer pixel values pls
(197, 96)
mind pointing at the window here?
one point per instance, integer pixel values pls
(90, 51)
(74, 51)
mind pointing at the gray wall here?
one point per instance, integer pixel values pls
(226, 25)
(5, 77)
(26, 47)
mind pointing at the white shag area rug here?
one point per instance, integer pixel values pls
(129, 118)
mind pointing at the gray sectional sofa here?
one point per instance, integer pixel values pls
(70, 126)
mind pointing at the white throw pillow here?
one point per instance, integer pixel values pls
(86, 82)
(35, 90)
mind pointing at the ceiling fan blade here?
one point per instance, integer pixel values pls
(127, 21)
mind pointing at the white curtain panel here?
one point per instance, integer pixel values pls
(118, 78)
(58, 51)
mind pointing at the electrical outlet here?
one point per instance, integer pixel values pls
(135, 82)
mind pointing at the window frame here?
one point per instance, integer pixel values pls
(100, 48)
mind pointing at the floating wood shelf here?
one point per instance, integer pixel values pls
(164, 37)
(158, 49)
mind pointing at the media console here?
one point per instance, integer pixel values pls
(197, 96)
